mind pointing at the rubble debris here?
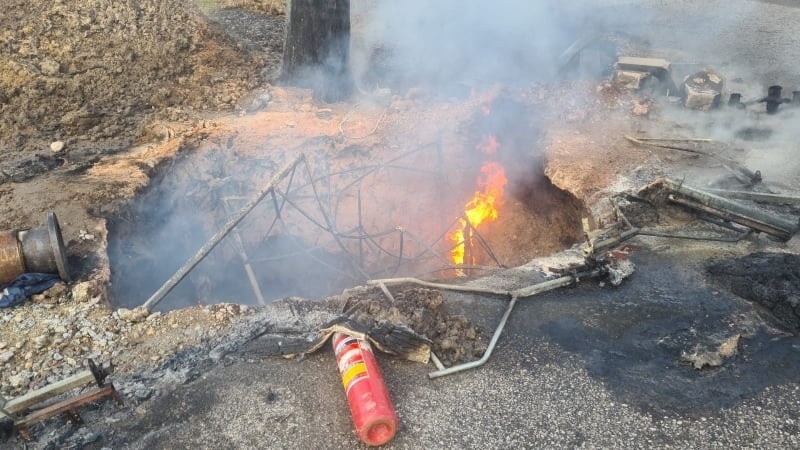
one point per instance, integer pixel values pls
(781, 228)
(630, 79)
(133, 315)
(619, 269)
(703, 90)
(642, 73)
(69, 406)
(407, 327)
(370, 406)
(771, 280)
(32, 398)
(743, 174)
(701, 358)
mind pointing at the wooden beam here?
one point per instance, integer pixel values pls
(37, 396)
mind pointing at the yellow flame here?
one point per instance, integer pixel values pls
(483, 206)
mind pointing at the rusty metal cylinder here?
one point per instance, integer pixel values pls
(12, 262)
(38, 250)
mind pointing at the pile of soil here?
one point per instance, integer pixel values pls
(455, 338)
(770, 279)
(92, 72)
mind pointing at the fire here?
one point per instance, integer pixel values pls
(482, 207)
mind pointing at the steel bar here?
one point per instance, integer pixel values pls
(487, 354)
(757, 196)
(515, 295)
(436, 362)
(251, 276)
(784, 227)
(697, 238)
(730, 210)
(360, 231)
(190, 264)
(732, 166)
(483, 242)
(596, 246)
(330, 225)
(386, 292)
(521, 293)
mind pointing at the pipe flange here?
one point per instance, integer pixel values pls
(57, 244)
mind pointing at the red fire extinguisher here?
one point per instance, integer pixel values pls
(370, 405)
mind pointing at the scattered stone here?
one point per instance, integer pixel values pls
(57, 146)
(41, 341)
(58, 290)
(713, 358)
(57, 356)
(19, 379)
(83, 292)
(259, 103)
(49, 67)
(640, 108)
(629, 79)
(6, 356)
(134, 316)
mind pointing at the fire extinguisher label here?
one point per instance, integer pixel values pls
(351, 362)
(353, 375)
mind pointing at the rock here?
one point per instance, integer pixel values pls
(49, 67)
(57, 146)
(259, 103)
(700, 358)
(3, 345)
(83, 292)
(133, 315)
(58, 290)
(630, 79)
(57, 356)
(41, 341)
(640, 108)
(19, 379)
(6, 356)
(703, 90)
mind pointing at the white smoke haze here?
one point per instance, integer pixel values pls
(450, 47)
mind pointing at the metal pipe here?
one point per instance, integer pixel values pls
(436, 362)
(486, 355)
(757, 196)
(716, 206)
(192, 262)
(483, 241)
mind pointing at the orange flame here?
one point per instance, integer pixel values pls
(483, 206)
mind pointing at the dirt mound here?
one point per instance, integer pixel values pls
(769, 279)
(455, 338)
(91, 72)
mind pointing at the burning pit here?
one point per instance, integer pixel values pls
(348, 211)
